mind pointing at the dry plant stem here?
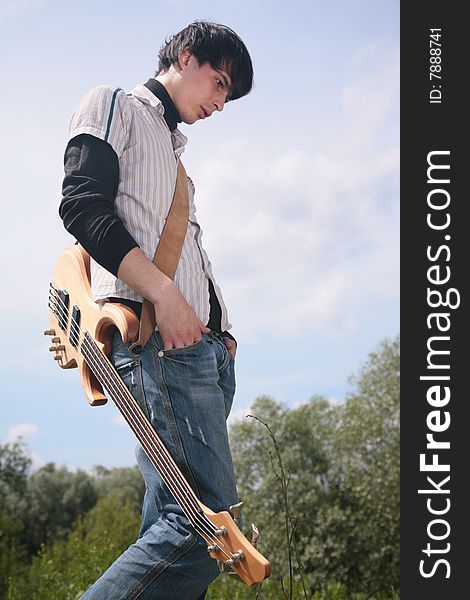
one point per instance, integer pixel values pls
(300, 565)
(284, 480)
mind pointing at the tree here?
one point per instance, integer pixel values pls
(14, 466)
(366, 475)
(125, 482)
(342, 484)
(39, 510)
(64, 569)
(57, 497)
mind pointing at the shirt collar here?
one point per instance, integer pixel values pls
(144, 94)
(164, 108)
(171, 114)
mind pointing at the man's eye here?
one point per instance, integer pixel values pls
(219, 83)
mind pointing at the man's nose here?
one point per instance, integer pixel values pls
(219, 101)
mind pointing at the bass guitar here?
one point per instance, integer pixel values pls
(82, 333)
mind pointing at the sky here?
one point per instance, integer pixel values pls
(297, 192)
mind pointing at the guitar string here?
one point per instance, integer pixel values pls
(162, 468)
(194, 510)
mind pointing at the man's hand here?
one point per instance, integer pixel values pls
(176, 320)
(231, 346)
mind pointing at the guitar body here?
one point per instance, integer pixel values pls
(72, 280)
(82, 332)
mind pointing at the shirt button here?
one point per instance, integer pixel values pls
(161, 354)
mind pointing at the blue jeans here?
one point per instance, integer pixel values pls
(187, 394)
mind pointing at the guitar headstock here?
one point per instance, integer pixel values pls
(61, 328)
(231, 548)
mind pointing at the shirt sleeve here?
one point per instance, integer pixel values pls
(103, 113)
(99, 133)
(87, 207)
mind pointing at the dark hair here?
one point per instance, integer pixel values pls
(215, 44)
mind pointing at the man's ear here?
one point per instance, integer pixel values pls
(184, 59)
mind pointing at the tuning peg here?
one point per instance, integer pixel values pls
(56, 348)
(57, 357)
(221, 531)
(254, 535)
(55, 340)
(49, 332)
(235, 559)
(236, 509)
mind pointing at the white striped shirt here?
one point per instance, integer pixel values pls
(134, 126)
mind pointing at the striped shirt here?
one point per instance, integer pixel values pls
(134, 126)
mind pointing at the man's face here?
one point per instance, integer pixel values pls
(199, 89)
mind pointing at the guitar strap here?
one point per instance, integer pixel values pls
(168, 251)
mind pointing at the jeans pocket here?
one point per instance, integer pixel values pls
(126, 370)
(183, 349)
(224, 358)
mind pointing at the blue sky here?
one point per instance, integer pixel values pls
(296, 187)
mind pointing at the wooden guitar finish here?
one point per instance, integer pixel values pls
(82, 333)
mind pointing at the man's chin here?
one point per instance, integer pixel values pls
(189, 120)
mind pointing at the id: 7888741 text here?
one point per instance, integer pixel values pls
(435, 66)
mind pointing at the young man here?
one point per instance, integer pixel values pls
(120, 175)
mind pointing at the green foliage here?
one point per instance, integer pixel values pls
(361, 526)
(14, 466)
(224, 588)
(304, 436)
(39, 508)
(67, 567)
(56, 498)
(343, 482)
(125, 483)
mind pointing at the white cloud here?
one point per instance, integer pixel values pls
(36, 461)
(307, 237)
(27, 431)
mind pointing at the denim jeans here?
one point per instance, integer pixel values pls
(187, 394)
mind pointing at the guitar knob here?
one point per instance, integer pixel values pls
(55, 340)
(254, 535)
(56, 348)
(57, 357)
(49, 332)
(236, 509)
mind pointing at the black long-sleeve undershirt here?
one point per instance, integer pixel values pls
(87, 207)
